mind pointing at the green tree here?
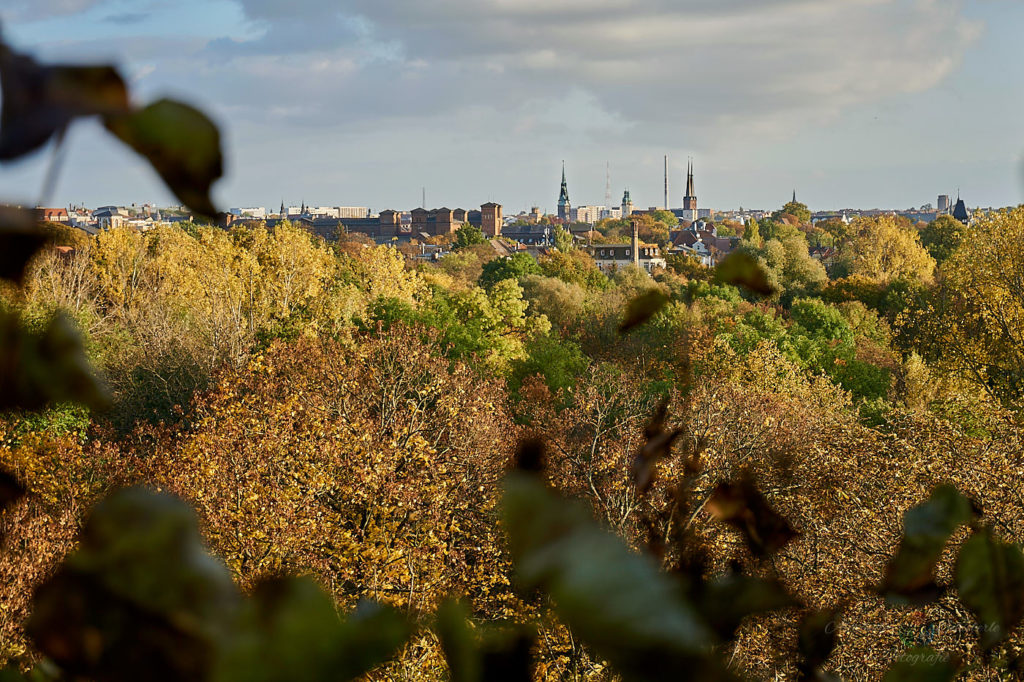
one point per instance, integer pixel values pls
(515, 267)
(468, 235)
(563, 239)
(795, 209)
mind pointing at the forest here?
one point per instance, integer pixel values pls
(251, 454)
(334, 410)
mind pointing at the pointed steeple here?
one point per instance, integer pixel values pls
(794, 196)
(690, 200)
(564, 206)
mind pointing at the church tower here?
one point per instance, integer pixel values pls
(690, 200)
(564, 207)
(627, 205)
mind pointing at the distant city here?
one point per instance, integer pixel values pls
(695, 232)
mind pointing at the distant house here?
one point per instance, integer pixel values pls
(53, 215)
(701, 240)
(531, 235)
(826, 255)
(110, 217)
(610, 257)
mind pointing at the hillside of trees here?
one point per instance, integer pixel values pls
(241, 454)
(336, 411)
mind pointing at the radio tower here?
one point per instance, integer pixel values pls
(666, 182)
(607, 184)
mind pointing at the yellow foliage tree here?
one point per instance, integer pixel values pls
(884, 250)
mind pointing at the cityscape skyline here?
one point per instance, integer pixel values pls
(868, 105)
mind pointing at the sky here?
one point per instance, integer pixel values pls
(851, 103)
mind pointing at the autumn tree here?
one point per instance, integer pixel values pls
(884, 250)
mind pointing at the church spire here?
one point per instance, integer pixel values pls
(690, 200)
(794, 196)
(564, 206)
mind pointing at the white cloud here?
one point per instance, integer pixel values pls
(693, 68)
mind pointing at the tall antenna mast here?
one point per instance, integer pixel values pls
(607, 184)
(424, 204)
(666, 182)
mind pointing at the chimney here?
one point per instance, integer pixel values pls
(636, 244)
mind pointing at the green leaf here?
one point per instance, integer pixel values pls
(20, 239)
(181, 144)
(742, 270)
(642, 308)
(990, 581)
(922, 665)
(909, 576)
(742, 506)
(616, 601)
(289, 629)
(40, 101)
(44, 368)
(139, 598)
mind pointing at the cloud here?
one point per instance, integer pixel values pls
(698, 68)
(35, 10)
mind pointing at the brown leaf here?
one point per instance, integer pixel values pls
(181, 144)
(20, 238)
(39, 101)
(742, 270)
(742, 506)
(642, 308)
(657, 446)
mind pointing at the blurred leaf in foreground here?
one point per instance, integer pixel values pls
(48, 367)
(725, 601)
(493, 654)
(909, 576)
(289, 629)
(181, 143)
(139, 598)
(11, 491)
(20, 238)
(615, 601)
(40, 101)
(922, 665)
(990, 581)
(657, 446)
(742, 270)
(642, 308)
(816, 639)
(742, 506)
